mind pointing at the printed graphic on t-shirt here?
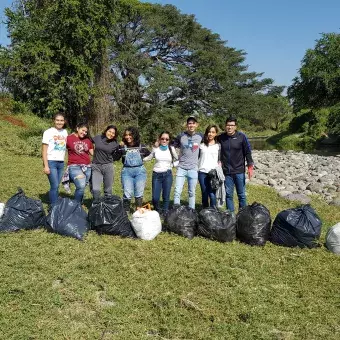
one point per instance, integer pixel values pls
(59, 143)
(192, 145)
(80, 147)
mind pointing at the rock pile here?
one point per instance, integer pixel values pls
(296, 175)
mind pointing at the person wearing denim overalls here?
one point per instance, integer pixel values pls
(133, 174)
(79, 147)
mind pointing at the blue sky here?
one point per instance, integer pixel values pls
(275, 34)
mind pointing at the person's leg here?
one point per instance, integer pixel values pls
(210, 192)
(229, 188)
(156, 189)
(166, 186)
(127, 184)
(53, 179)
(97, 180)
(139, 184)
(202, 177)
(108, 178)
(79, 178)
(179, 182)
(240, 184)
(192, 182)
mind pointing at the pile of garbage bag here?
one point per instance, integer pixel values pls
(22, 213)
(217, 225)
(298, 227)
(68, 218)
(253, 224)
(107, 216)
(182, 220)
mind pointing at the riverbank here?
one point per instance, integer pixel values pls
(297, 175)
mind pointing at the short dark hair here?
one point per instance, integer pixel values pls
(165, 132)
(231, 119)
(134, 133)
(205, 138)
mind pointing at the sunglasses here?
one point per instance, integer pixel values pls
(166, 139)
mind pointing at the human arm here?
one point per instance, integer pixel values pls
(248, 156)
(149, 157)
(46, 168)
(144, 151)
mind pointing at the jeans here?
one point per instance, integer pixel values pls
(55, 176)
(161, 181)
(239, 180)
(102, 173)
(133, 181)
(191, 176)
(80, 178)
(207, 191)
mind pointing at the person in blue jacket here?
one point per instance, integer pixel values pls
(235, 151)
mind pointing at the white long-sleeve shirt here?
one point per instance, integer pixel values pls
(208, 157)
(163, 159)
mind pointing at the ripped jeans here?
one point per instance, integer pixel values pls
(80, 178)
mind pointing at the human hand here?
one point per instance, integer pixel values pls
(250, 171)
(156, 145)
(46, 170)
(121, 143)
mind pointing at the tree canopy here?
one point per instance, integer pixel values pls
(129, 62)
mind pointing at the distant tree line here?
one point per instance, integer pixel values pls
(131, 62)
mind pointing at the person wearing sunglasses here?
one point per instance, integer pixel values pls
(235, 151)
(165, 157)
(188, 142)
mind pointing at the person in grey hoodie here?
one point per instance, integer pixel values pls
(105, 153)
(189, 143)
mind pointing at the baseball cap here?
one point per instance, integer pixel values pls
(192, 118)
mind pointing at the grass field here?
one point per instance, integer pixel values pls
(106, 287)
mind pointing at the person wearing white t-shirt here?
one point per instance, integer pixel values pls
(53, 154)
(208, 160)
(165, 156)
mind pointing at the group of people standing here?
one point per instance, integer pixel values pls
(200, 158)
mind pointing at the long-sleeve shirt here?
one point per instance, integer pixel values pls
(142, 150)
(235, 150)
(164, 159)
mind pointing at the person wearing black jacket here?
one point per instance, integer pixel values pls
(235, 150)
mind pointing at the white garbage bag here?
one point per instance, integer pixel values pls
(333, 239)
(146, 223)
(2, 208)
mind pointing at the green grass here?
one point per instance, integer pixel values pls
(54, 287)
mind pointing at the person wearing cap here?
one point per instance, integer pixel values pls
(189, 143)
(235, 150)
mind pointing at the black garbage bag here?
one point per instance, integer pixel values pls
(253, 224)
(217, 225)
(214, 180)
(68, 218)
(107, 216)
(183, 221)
(299, 227)
(22, 212)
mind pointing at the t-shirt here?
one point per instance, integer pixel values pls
(78, 150)
(105, 152)
(56, 141)
(189, 145)
(208, 157)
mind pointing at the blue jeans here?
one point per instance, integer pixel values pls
(191, 176)
(55, 176)
(80, 178)
(133, 181)
(161, 181)
(207, 191)
(239, 180)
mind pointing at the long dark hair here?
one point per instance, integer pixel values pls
(108, 128)
(134, 133)
(205, 138)
(165, 132)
